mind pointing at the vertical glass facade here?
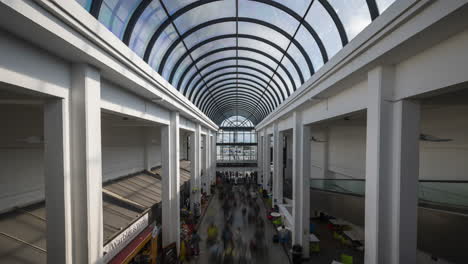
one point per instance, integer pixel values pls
(237, 145)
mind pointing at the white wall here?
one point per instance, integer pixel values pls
(21, 163)
(444, 160)
(123, 149)
(347, 151)
(438, 160)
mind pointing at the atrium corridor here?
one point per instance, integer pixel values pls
(222, 131)
(274, 252)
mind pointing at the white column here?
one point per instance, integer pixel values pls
(171, 181)
(213, 158)
(86, 165)
(392, 170)
(266, 160)
(301, 183)
(259, 157)
(195, 164)
(147, 147)
(207, 171)
(57, 181)
(276, 163)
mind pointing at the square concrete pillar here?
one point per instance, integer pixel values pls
(392, 171)
(195, 184)
(301, 183)
(206, 164)
(277, 166)
(266, 160)
(86, 164)
(259, 158)
(57, 181)
(171, 181)
(213, 157)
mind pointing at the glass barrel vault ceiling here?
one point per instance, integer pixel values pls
(236, 57)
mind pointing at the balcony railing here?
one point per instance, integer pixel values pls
(453, 194)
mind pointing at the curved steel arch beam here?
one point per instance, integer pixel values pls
(133, 20)
(336, 19)
(244, 114)
(168, 21)
(249, 83)
(286, 87)
(232, 105)
(246, 36)
(306, 24)
(223, 20)
(188, 68)
(291, 79)
(270, 98)
(267, 84)
(235, 102)
(373, 9)
(244, 90)
(95, 8)
(226, 74)
(219, 111)
(243, 85)
(255, 76)
(243, 79)
(232, 113)
(249, 94)
(238, 100)
(278, 87)
(204, 103)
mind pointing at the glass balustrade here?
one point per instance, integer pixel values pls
(446, 193)
(349, 186)
(449, 193)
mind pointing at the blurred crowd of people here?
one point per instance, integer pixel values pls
(228, 242)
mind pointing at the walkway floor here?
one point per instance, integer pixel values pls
(331, 249)
(275, 253)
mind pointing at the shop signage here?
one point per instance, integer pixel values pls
(112, 248)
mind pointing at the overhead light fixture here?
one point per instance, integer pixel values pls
(425, 137)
